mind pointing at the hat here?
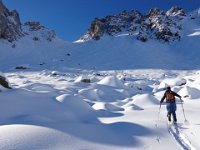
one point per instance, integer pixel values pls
(168, 88)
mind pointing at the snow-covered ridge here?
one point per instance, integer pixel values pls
(11, 28)
(38, 31)
(163, 26)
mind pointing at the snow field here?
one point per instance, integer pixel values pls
(46, 111)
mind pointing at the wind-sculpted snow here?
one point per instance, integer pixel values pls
(52, 111)
(111, 81)
(191, 92)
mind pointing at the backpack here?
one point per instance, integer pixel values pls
(170, 96)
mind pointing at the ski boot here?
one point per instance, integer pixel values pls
(169, 117)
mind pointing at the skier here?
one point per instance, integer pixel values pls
(170, 103)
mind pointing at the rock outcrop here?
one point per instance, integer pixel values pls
(10, 25)
(4, 82)
(157, 24)
(38, 31)
(11, 28)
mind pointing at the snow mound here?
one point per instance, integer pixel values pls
(190, 92)
(108, 93)
(27, 106)
(112, 81)
(91, 94)
(144, 100)
(41, 88)
(31, 137)
(79, 79)
(172, 82)
(130, 106)
(107, 106)
(81, 109)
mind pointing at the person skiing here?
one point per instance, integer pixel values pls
(169, 95)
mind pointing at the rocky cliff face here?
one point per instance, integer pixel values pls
(163, 26)
(10, 25)
(11, 28)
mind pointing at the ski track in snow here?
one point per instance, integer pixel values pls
(175, 131)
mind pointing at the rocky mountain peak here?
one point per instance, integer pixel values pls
(176, 11)
(156, 24)
(16, 17)
(113, 24)
(154, 12)
(3, 9)
(10, 25)
(11, 28)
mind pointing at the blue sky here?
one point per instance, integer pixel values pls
(71, 18)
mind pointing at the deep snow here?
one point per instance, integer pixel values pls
(117, 110)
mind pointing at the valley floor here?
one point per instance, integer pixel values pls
(117, 110)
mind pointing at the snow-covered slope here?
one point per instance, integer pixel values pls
(121, 51)
(108, 53)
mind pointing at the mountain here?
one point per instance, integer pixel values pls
(163, 26)
(25, 44)
(128, 40)
(10, 25)
(131, 40)
(11, 28)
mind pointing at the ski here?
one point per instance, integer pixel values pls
(173, 124)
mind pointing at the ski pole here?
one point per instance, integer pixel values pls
(158, 115)
(159, 112)
(183, 110)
